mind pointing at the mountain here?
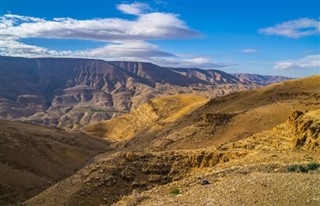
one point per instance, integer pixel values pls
(260, 79)
(263, 141)
(70, 93)
(34, 158)
(218, 121)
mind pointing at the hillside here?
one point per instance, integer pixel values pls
(256, 164)
(248, 141)
(70, 93)
(263, 174)
(34, 158)
(219, 121)
(155, 113)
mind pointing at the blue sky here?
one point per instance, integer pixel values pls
(276, 37)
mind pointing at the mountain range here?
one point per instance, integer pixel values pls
(136, 132)
(70, 93)
(265, 141)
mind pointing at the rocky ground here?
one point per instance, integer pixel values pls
(256, 147)
(254, 170)
(268, 168)
(252, 188)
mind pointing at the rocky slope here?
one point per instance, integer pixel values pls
(244, 144)
(70, 93)
(32, 158)
(263, 175)
(219, 121)
(237, 171)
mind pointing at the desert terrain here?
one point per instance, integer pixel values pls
(258, 147)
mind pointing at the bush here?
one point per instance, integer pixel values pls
(293, 168)
(313, 166)
(175, 191)
(303, 169)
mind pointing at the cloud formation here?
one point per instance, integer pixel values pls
(294, 29)
(134, 8)
(152, 26)
(189, 62)
(308, 62)
(248, 50)
(134, 49)
(124, 39)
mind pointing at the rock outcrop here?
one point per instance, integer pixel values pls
(306, 129)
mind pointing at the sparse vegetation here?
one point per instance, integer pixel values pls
(313, 166)
(134, 199)
(175, 191)
(303, 169)
(292, 168)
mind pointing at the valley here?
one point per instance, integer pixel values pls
(245, 141)
(160, 103)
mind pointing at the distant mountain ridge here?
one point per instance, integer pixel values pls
(260, 79)
(71, 93)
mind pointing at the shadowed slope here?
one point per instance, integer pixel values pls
(34, 158)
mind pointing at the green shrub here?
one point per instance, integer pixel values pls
(313, 166)
(303, 169)
(293, 168)
(175, 191)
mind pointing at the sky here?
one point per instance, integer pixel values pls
(269, 37)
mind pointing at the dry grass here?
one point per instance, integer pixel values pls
(134, 199)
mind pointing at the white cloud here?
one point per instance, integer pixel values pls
(308, 62)
(13, 47)
(248, 50)
(134, 8)
(124, 39)
(133, 49)
(146, 27)
(294, 29)
(188, 62)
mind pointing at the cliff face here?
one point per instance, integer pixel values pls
(306, 129)
(70, 93)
